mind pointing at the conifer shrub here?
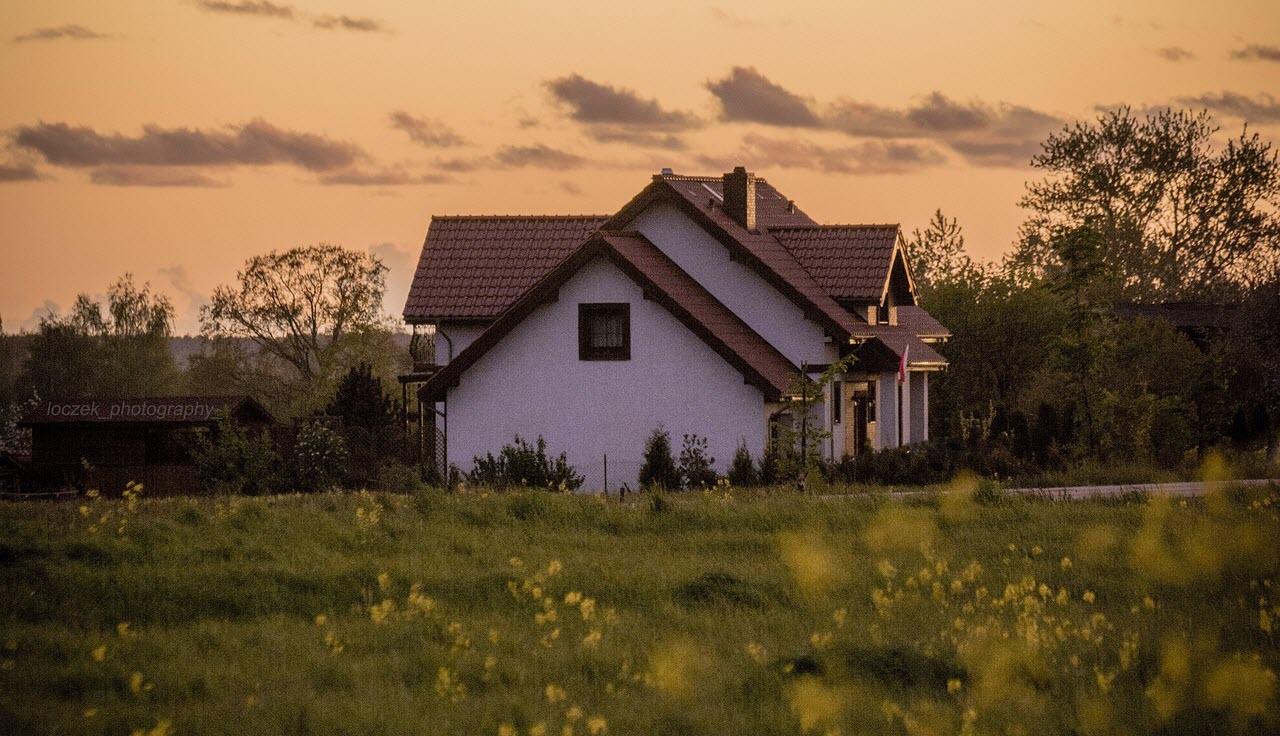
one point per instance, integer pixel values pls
(659, 468)
(696, 466)
(742, 471)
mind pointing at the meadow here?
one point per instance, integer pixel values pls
(720, 612)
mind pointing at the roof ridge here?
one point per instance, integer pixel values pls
(699, 177)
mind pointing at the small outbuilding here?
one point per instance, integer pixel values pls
(106, 443)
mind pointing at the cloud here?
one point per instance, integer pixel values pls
(19, 172)
(393, 176)
(592, 102)
(70, 31)
(746, 95)
(995, 153)
(1257, 52)
(152, 176)
(538, 156)
(48, 308)
(188, 321)
(1175, 53)
(255, 143)
(937, 115)
(635, 137)
(1261, 109)
(262, 8)
(868, 157)
(401, 263)
(426, 132)
(569, 187)
(348, 23)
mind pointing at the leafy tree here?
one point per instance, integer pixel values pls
(799, 443)
(659, 467)
(360, 400)
(122, 352)
(695, 464)
(308, 312)
(1178, 216)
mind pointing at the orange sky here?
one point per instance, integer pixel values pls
(175, 138)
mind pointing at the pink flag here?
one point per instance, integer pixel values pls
(902, 365)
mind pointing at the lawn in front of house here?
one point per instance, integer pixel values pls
(717, 612)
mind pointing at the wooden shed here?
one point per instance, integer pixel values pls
(106, 443)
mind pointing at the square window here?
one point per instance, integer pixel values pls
(604, 332)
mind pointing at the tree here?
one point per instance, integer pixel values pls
(122, 352)
(360, 400)
(1178, 216)
(799, 443)
(938, 255)
(306, 312)
(696, 466)
(659, 468)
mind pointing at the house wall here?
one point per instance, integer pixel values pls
(461, 334)
(768, 311)
(887, 411)
(532, 383)
(919, 406)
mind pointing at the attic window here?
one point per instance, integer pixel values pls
(604, 332)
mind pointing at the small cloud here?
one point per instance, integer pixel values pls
(569, 187)
(394, 176)
(70, 32)
(151, 176)
(595, 103)
(462, 165)
(48, 308)
(19, 172)
(1256, 52)
(746, 95)
(538, 156)
(635, 137)
(869, 157)
(528, 121)
(995, 153)
(348, 23)
(1260, 109)
(255, 143)
(188, 321)
(425, 131)
(401, 263)
(261, 8)
(1175, 53)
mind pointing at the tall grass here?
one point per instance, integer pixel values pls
(718, 612)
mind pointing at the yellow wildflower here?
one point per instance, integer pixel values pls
(592, 639)
(507, 729)
(90, 713)
(572, 598)
(321, 619)
(954, 685)
(839, 616)
(1066, 563)
(596, 725)
(555, 694)
(384, 581)
(573, 714)
(1089, 597)
(756, 652)
(135, 683)
(554, 568)
(538, 729)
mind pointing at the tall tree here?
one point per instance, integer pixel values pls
(938, 254)
(304, 311)
(123, 351)
(1180, 216)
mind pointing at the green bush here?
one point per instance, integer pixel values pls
(319, 456)
(524, 465)
(228, 460)
(695, 464)
(659, 469)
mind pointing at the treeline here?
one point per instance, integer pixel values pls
(1051, 361)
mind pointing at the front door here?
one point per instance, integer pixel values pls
(860, 400)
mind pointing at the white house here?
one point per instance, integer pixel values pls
(695, 307)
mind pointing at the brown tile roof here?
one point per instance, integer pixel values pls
(920, 323)
(773, 209)
(663, 281)
(848, 261)
(473, 267)
(759, 249)
(146, 410)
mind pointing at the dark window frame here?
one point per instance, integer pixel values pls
(586, 314)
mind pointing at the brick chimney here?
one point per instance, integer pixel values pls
(740, 197)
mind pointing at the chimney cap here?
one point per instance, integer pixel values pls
(739, 169)
(667, 171)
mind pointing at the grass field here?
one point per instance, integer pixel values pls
(711, 613)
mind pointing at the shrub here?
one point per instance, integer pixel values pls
(522, 464)
(659, 469)
(319, 455)
(398, 477)
(228, 460)
(695, 463)
(742, 471)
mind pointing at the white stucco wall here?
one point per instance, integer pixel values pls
(768, 311)
(461, 335)
(532, 383)
(887, 410)
(919, 411)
